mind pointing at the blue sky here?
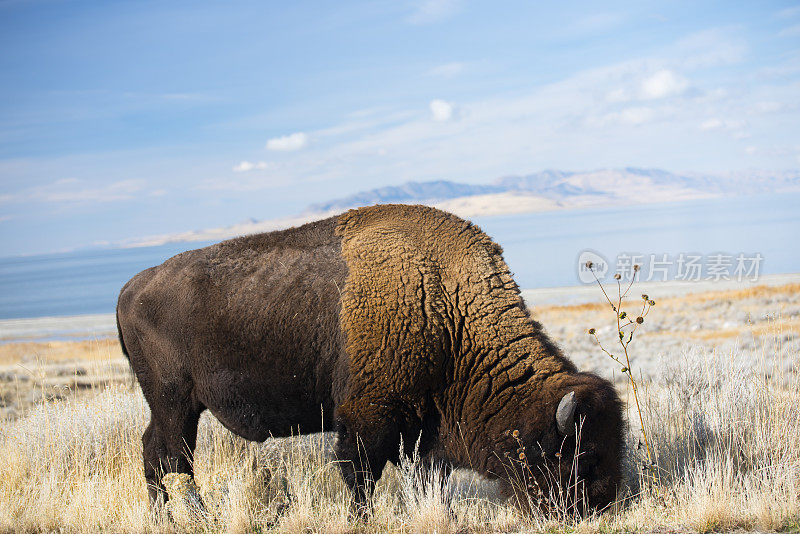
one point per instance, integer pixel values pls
(125, 119)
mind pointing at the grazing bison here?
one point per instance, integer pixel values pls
(384, 323)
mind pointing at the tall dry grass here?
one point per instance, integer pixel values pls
(727, 435)
(724, 433)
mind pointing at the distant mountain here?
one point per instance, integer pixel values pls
(541, 191)
(573, 189)
(405, 193)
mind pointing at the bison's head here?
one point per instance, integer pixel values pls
(566, 451)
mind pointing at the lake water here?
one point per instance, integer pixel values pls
(542, 249)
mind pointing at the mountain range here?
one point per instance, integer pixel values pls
(564, 187)
(541, 191)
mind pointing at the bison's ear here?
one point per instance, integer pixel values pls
(565, 414)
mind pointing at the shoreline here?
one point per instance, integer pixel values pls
(100, 326)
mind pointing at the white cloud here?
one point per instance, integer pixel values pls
(647, 111)
(429, 11)
(662, 84)
(633, 116)
(541, 128)
(711, 124)
(769, 107)
(287, 143)
(641, 81)
(441, 110)
(618, 95)
(789, 12)
(710, 48)
(252, 182)
(715, 123)
(775, 151)
(246, 166)
(74, 191)
(791, 31)
(447, 70)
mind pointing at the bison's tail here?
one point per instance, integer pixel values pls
(122, 341)
(132, 383)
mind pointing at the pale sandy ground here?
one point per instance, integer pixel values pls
(762, 323)
(761, 320)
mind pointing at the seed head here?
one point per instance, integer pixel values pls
(623, 315)
(636, 268)
(617, 276)
(515, 433)
(645, 297)
(639, 320)
(592, 331)
(522, 456)
(589, 264)
(651, 302)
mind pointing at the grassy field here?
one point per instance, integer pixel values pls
(721, 400)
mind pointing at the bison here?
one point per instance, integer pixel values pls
(388, 324)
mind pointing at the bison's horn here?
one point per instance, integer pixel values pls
(565, 414)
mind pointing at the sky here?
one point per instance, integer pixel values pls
(120, 120)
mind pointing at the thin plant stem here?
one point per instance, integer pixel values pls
(626, 366)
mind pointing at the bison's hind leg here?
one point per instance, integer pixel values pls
(168, 444)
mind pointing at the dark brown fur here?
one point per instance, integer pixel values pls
(384, 323)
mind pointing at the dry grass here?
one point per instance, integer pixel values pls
(60, 351)
(755, 292)
(36, 372)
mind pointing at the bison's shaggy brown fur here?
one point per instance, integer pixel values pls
(389, 322)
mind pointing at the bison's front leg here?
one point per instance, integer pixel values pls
(368, 437)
